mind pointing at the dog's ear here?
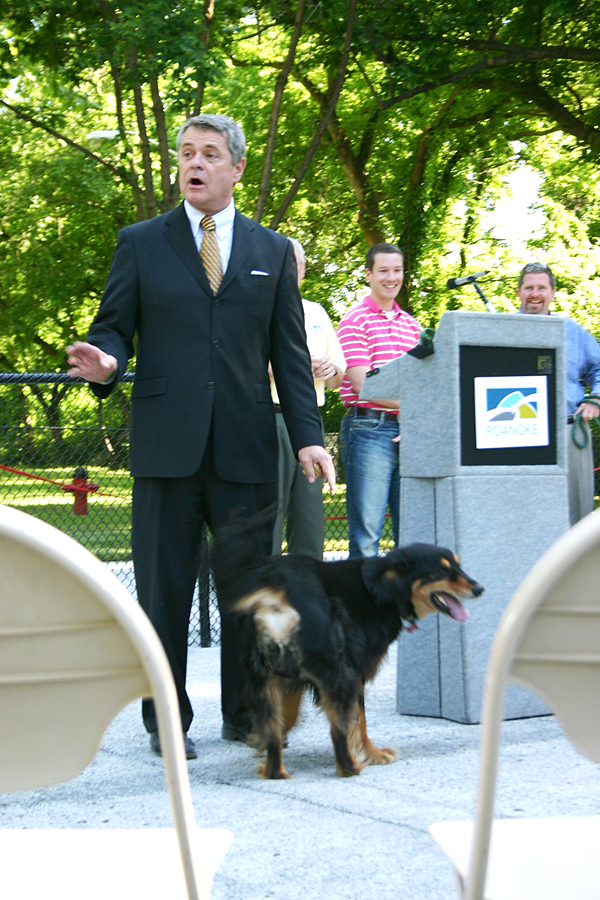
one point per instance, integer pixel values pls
(386, 580)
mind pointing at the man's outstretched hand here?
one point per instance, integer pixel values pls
(89, 362)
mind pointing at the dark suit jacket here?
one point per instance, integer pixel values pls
(202, 359)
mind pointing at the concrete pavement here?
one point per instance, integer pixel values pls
(319, 836)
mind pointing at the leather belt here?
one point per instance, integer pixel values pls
(375, 414)
(277, 407)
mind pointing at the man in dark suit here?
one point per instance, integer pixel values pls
(211, 297)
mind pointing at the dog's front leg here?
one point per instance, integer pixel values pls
(339, 706)
(359, 742)
(344, 763)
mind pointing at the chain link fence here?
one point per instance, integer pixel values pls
(64, 459)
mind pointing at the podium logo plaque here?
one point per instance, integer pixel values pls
(507, 406)
(511, 411)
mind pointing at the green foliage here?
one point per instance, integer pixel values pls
(440, 104)
(139, 38)
(59, 219)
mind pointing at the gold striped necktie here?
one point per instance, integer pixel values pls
(209, 254)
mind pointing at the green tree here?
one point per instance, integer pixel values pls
(366, 120)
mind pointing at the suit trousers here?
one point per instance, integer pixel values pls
(167, 519)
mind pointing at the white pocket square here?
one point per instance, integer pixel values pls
(258, 272)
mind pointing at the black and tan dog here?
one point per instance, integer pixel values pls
(326, 626)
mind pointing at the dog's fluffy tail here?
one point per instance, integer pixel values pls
(255, 593)
(235, 553)
(274, 623)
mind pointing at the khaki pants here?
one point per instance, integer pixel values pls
(300, 503)
(581, 475)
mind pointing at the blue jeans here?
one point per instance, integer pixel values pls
(371, 465)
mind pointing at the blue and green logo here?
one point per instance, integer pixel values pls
(505, 405)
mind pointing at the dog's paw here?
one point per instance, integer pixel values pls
(382, 756)
(366, 753)
(264, 771)
(349, 771)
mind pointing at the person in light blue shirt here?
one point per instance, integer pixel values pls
(536, 293)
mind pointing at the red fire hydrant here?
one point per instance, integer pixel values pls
(80, 488)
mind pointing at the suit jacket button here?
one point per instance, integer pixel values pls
(217, 303)
(210, 385)
(216, 344)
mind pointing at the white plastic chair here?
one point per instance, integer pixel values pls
(548, 640)
(74, 649)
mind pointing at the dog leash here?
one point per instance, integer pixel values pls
(579, 424)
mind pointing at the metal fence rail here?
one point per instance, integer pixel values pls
(64, 459)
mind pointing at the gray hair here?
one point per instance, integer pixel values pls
(298, 248)
(537, 269)
(236, 141)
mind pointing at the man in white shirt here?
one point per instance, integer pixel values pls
(301, 501)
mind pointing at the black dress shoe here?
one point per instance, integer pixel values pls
(190, 750)
(155, 743)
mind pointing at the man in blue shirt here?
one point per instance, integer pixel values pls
(582, 350)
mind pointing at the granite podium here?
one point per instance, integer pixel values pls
(483, 464)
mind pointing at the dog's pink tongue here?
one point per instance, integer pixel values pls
(456, 609)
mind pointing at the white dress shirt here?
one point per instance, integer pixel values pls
(223, 229)
(322, 341)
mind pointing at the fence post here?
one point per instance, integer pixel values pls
(204, 591)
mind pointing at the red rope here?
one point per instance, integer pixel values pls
(85, 489)
(30, 475)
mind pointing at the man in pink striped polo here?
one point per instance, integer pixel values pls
(371, 334)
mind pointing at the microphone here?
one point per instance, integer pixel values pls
(425, 346)
(466, 279)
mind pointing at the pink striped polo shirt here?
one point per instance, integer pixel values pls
(369, 338)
